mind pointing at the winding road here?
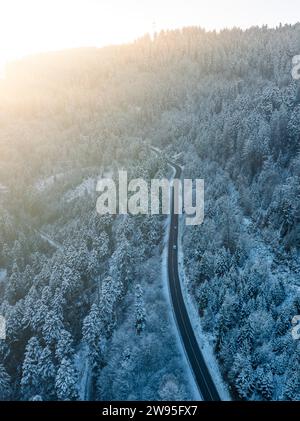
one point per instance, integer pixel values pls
(201, 373)
(194, 355)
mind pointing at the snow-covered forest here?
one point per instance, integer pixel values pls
(83, 294)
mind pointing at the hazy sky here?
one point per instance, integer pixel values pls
(29, 26)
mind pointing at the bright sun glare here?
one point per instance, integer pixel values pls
(32, 26)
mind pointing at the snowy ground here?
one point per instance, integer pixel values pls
(3, 189)
(46, 182)
(150, 366)
(43, 184)
(194, 388)
(87, 186)
(49, 240)
(2, 274)
(205, 340)
(82, 365)
(165, 280)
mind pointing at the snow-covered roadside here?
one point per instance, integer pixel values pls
(87, 186)
(201, 337)
(166, 290)
(3, 188)
(204, 339)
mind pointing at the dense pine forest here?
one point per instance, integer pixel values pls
(83, 295)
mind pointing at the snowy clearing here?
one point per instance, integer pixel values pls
(87, 186)
(43, 184)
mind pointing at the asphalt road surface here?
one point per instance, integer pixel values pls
(201, 373)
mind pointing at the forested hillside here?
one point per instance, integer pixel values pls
(76, 286)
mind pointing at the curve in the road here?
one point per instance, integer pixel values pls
(201, 373)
